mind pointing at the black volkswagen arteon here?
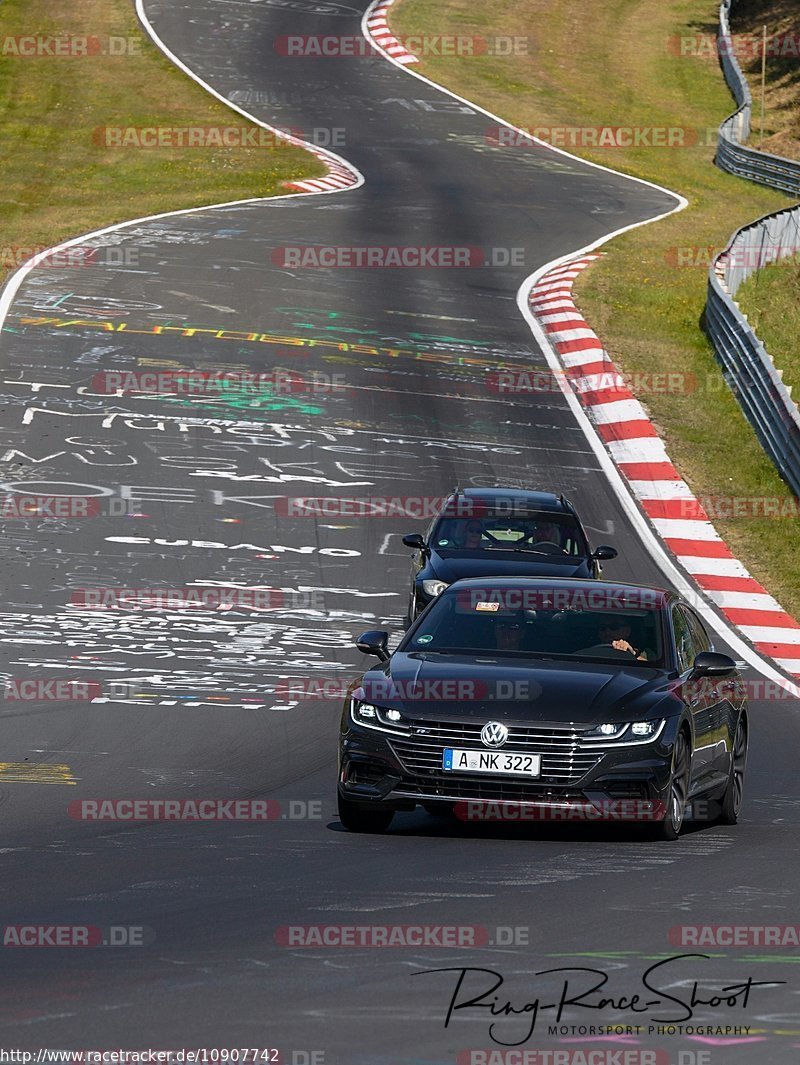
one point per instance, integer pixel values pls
(548, 696)
(499, 532)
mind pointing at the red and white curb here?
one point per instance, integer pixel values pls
(625, 428)
(339, 176)
(378, 31)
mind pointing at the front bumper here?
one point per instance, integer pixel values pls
(627, 783)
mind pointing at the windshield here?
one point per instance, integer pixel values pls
(537, 533)
(601, 625)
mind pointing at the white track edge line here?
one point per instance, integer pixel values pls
(651, 542)
(14, 282)
(655, 548)
(683, 202)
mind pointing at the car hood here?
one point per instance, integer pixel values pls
(507, 564)
(429, 687)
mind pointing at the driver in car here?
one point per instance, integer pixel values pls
(470, 536)
(546, 532)
(616, 632)
(508, 634)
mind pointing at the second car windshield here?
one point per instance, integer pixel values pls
(493, 622)
(554, 534)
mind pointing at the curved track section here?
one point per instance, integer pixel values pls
(192, 492)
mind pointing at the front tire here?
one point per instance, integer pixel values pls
(732, 799)
(678, 792)
(358, 818)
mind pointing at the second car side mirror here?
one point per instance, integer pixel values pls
(604, 553)
(375, 642)
(713, 664)
(416, 541)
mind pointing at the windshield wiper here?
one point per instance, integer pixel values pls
(529, 551)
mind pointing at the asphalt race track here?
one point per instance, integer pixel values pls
(194, 711)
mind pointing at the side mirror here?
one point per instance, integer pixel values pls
(375, 643)
(416, 541)
(713, 664)
(604, 553)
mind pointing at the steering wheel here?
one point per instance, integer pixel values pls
(547, 545)
(606, 650)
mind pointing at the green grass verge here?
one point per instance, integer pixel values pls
(771, 301)
(56, 181)
(614, 63)
(771, 297)
(782, 84)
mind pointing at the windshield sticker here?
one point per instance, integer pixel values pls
(424, 639)
(491, 607)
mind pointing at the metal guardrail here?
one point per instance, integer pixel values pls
(733, 155)
(747, 365)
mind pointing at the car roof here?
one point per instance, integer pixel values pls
(535, 500)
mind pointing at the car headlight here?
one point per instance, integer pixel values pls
(626, 733)
(643, 728)
(607, 731)
(380, 718)
(434, 587)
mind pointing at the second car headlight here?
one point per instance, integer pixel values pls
(434, 587)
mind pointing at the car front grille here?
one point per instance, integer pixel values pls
(564, 761)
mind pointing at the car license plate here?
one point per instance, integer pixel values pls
(504, 762)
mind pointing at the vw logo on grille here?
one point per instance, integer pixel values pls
(494, 734)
